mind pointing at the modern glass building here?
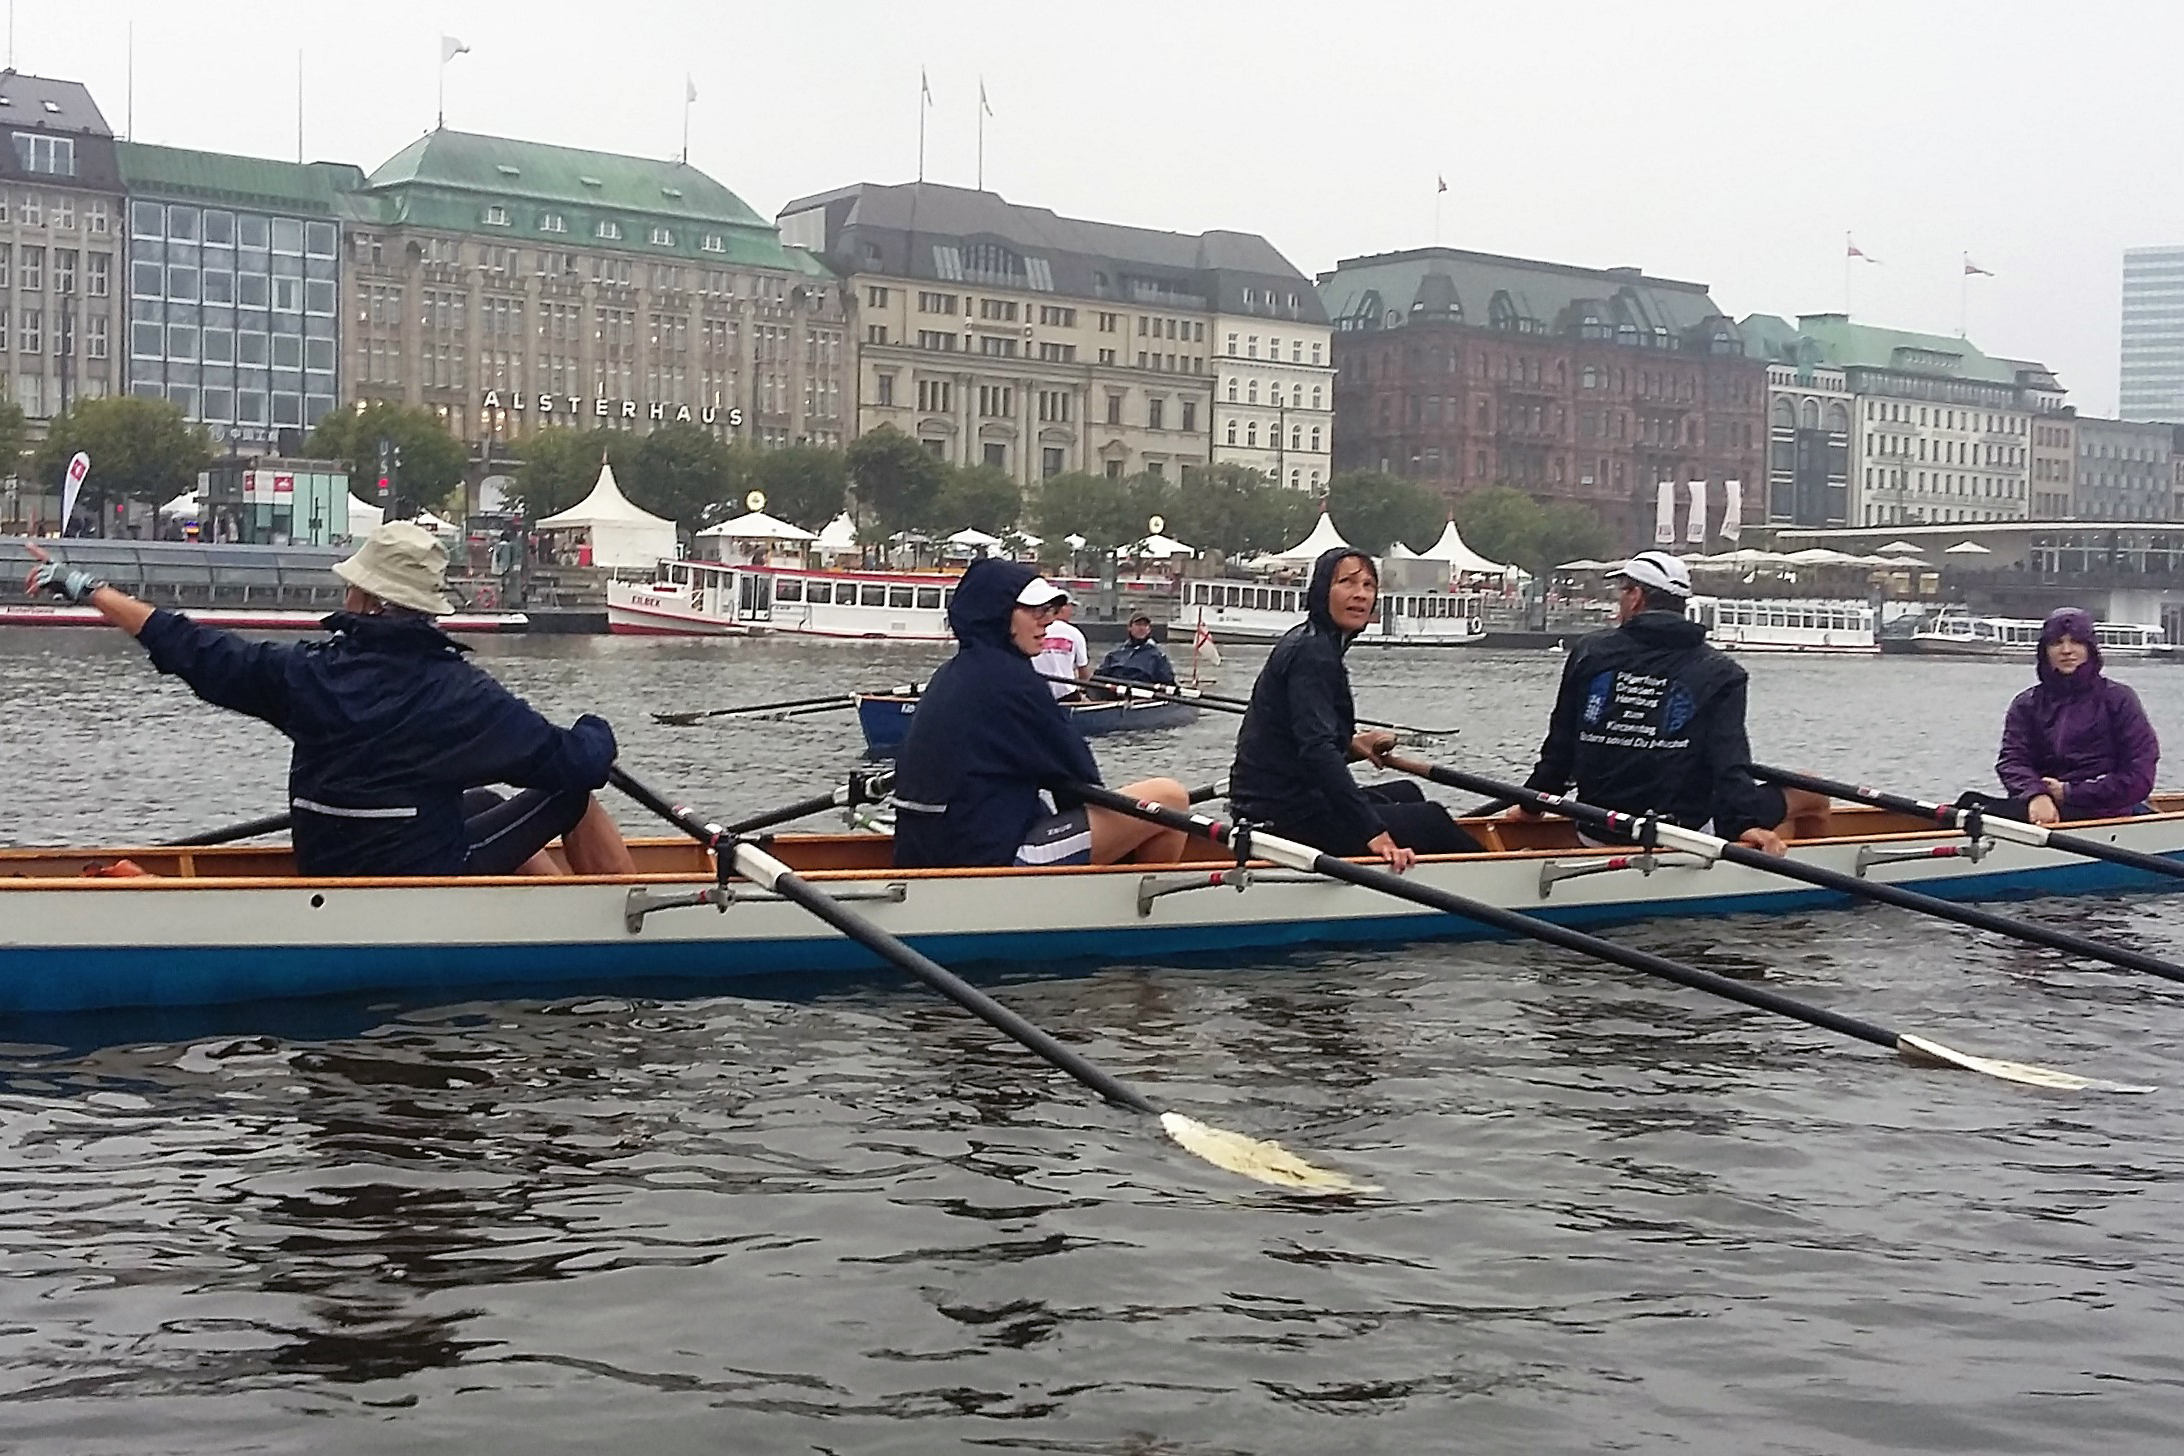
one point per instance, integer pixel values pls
(235, 288)
(2153, 335)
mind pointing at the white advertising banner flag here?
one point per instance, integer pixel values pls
(1664, 516)
(1695, 528)
(1732, 509)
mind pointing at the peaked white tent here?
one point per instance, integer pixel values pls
(620, 534)
(1159, 546)
(1324, 537)
(1461, 558)
(971, 538)
(1397, 551)
(364, 517)
(839, 534)
(757, 526)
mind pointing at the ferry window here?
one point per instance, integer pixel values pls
(1258, 599)
(789, 589)
(947, 595)
(900, 596)
(1289, 601)
(928, 598)
(1228, 596)
(821, 592)
(872, 594)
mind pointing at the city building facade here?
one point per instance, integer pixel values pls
(234, 290)
(1809, 408)
(60, 247)
(1005, 335)
(1586, 386)
(513, 285)
(2152, 335)
(1940, 432)
(2125, 471)
(2054, 465)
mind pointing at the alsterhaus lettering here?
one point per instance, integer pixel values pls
(609, 409)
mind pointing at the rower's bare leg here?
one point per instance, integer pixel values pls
(1118, 838)
(547, 862)
(595, 846)
(1809, 815)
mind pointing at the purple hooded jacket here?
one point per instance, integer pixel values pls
(2080, 728)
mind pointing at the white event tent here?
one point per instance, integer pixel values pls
(621, 535)
(756, 534)
(1324, 537)
(1159, 546)
(1461, 558)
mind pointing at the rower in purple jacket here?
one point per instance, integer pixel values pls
(2075, 745)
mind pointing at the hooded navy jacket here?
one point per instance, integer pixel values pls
(1650, 719)
(390, 725)
(986, 737)
(1293, 751)
(1135, 661)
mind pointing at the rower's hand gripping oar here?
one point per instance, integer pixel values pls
(1975, 822)
(788, 705)
(1637, 827)
(1268, 1162)
(1251, 843)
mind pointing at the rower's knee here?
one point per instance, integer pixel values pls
(1161, 791)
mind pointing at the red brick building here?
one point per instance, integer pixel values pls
(1581, 385)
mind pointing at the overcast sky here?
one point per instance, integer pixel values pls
(1729, 143)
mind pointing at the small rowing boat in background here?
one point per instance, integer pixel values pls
(208, 926)
(885, 717)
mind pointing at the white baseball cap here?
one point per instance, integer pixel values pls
(1039, 592)
(1656, 569)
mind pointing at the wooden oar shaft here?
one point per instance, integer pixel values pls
(1297, 856)
(1633, 825)
(248, 829)
(1957, 817)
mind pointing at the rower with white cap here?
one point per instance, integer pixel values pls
(1650, 719)
(391, 726)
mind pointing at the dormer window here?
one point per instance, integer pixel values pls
(552, 222)
(50, 156)
(662, 238)
(608, 230)
(496, 217)
(713, 243)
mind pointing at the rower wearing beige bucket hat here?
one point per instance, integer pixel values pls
(396, 737)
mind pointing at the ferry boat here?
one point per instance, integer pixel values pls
(1768, 624)
(193, 927)
(711, 598)
(1250, 611)
(1956, 633)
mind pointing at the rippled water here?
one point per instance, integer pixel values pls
(1616, 1215)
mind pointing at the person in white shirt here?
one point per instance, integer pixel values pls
(1062, 652)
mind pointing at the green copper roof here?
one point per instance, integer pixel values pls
(1847, 345)
(254, 182)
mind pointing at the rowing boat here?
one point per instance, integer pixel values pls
(211, 926)
(885, 717)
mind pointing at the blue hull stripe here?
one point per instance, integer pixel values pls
(50, 980)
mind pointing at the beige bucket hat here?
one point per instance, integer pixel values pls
(401, 563)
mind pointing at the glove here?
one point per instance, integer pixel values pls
(72, 583)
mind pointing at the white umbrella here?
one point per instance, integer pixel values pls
(1583, 563)
(184, 506)
(1822, 556)
(1025, 538)
(757, 526)
(1895, 548)
(972, 537)
(1073, 541)
(1967, 548)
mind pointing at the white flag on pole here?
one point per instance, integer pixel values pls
(450, 48)
(1732, 509)
(1695, 527)
(79, 465)
(1664, 515)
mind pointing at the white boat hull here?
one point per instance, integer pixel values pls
(205, 930)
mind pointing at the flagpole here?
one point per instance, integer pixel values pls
(924, 90)
(1964, 295)
(440, 110)
(982, 133)
(686, 90)
(1846, 274)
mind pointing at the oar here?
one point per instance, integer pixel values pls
(831, 700)
(248, 829)
(1254, 844)
(861, 788)
(1124, 689)
(1269, 1162)
(1976, 822)
(1646, 829)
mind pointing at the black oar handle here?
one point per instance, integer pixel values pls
(1300, 856)
(248, 829)
(1633, 826)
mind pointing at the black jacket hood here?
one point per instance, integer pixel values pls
(984, 598)
(1665, 629)
(1323, 582)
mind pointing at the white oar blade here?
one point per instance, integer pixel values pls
(1268, 1162)
(1919, 1049)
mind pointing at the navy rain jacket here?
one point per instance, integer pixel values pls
(986, 737)
(1293, 752)
(1135, 661)
(1650, 719)
(390, 725)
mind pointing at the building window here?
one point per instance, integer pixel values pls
(1190, 416)
(552, 222)
(1251, 433)
(496, 216)
(1050, 462)
(997, 455)
(713, 243)
(94, 337)
(1232, 432)
(147, 341)
(662, 238)
(608, 230)
(1114, 409)
(885, 384)
(1315, 439)
(51, 156)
